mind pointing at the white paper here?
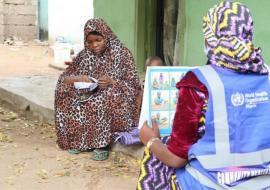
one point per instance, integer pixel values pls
(86, 85)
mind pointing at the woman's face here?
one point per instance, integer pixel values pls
(96, 44)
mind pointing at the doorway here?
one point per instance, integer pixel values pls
(169, 31)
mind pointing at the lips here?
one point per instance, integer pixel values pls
(98, 51)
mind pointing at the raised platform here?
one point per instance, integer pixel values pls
(33, 97)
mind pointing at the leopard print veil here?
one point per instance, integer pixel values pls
(90, 123)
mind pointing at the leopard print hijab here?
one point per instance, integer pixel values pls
(114, 48)
(112, 43)
(98, 25)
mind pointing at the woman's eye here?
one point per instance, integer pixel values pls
(89, 43)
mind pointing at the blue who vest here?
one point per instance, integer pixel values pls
(234, 152)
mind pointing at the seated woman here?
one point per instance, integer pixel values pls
(87, 120)
(218, 139)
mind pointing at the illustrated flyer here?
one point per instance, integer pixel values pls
(160, 96)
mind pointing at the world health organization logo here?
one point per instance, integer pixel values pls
(237, 99)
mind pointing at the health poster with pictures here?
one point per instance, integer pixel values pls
(160, 96)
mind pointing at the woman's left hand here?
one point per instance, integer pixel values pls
(146, 133)
(105, 82)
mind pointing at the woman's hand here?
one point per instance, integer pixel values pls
(79, 78)
(146, 133)
(105, 82)
(159, 149)
(84, 78)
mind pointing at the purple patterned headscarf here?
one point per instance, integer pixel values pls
(228, 33)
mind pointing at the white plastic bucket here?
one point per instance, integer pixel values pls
(61, 53)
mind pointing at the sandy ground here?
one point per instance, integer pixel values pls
(29, 156)
(27, 60)
(30, 160)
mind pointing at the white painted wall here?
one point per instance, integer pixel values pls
(67, 18)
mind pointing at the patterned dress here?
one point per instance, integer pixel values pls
(86, 120)
(154, 175)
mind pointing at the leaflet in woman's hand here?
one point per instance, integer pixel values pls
(86, 85)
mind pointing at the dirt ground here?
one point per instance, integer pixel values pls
(30, 160)
(26, 60)
(29, 156)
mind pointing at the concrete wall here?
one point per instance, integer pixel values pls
(123, 21)
(1, 21)
(67, 18)
(18, 18)
(130, 22)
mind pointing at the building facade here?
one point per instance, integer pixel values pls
(18, 18)
(172, 29)
(44, 19)
(66, 18)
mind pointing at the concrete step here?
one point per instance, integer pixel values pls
(33, 97)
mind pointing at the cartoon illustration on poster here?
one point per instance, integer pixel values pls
(162, 119)
(173, 99)
(160, 80)
(160, 100)
(161, 96)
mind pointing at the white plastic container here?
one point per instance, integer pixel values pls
(61, 53)
(77, 48)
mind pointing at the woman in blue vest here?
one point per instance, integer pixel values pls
(220, 137)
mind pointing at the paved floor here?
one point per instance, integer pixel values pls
(26, 81)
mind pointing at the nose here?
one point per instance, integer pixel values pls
(95, 45)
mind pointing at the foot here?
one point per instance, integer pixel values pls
(100, 154)
(73, 151)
